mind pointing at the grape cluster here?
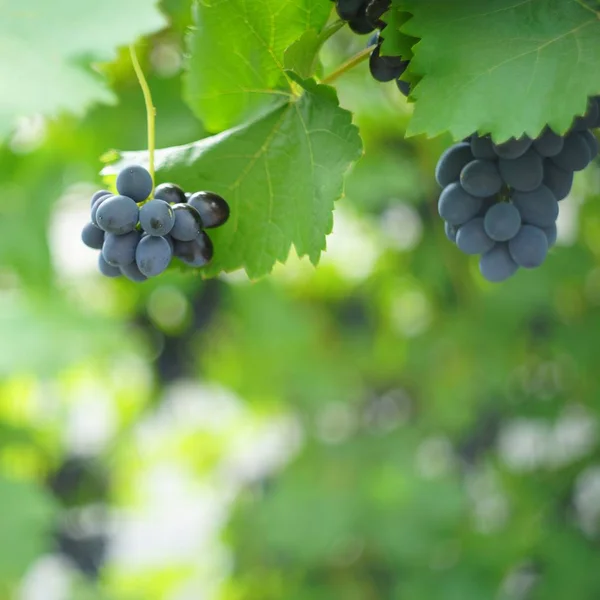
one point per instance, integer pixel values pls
(364, 16)
(139, 237)
(501, 200)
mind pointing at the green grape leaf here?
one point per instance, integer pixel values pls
(52, 45)
(395, 42)
(25, 525)
(236, 55)
(302, 56)
(280, 173)
(500, 66)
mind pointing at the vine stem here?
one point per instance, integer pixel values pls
(150, 111)
(348, 65)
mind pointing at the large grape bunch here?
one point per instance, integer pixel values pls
(364, 16)
(138, 237)
(501, 200)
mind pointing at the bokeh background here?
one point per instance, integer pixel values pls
(386, 426)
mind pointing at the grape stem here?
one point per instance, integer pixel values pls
(150, 111)
(348, 65)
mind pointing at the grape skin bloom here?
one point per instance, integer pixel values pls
(538, 208)
(497, 265)
(502, 222)
(134, 182)
(452, 162)
(481, 178)
(157, 217)
(529, 247)
(117, 214)
(119, 250)
(457, 206)
(153, 255)
(472, 238)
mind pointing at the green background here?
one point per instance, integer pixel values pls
(386, 425)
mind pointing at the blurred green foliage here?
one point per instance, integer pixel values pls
(385, 426)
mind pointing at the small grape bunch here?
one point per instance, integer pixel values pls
(364, 16)
(138, 236)
(501, 201)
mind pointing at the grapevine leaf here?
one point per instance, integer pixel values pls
(302, 56)
(395, 42)
(280, 172)
(501, 67)
(54, 43)
(237, 69)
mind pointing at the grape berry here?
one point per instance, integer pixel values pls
(138, 237)
(501, 200)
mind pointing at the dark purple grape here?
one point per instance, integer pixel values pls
(497, 265)
(513, 148)
(99, 194)
(575, 155)
(472, 238)
(171, 193)
(119, 250)
(188, 223)
(376, 9)
(212, 208)
(456, 206)
(92, 236)
(153, 255)
(404, 87)
(452, 162)
(361, 24)
(481, 178)
(197, 253)
(548, 143)
(133, 273)
(524, 173)
(557, 180)
(96, 206)
(117, 214)
(157, 217)
(106, 269)
(386, 68)
(482, 147)
(348, 9)
(134, 182)
(502, 222)
(538, 208)
(529, 247)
